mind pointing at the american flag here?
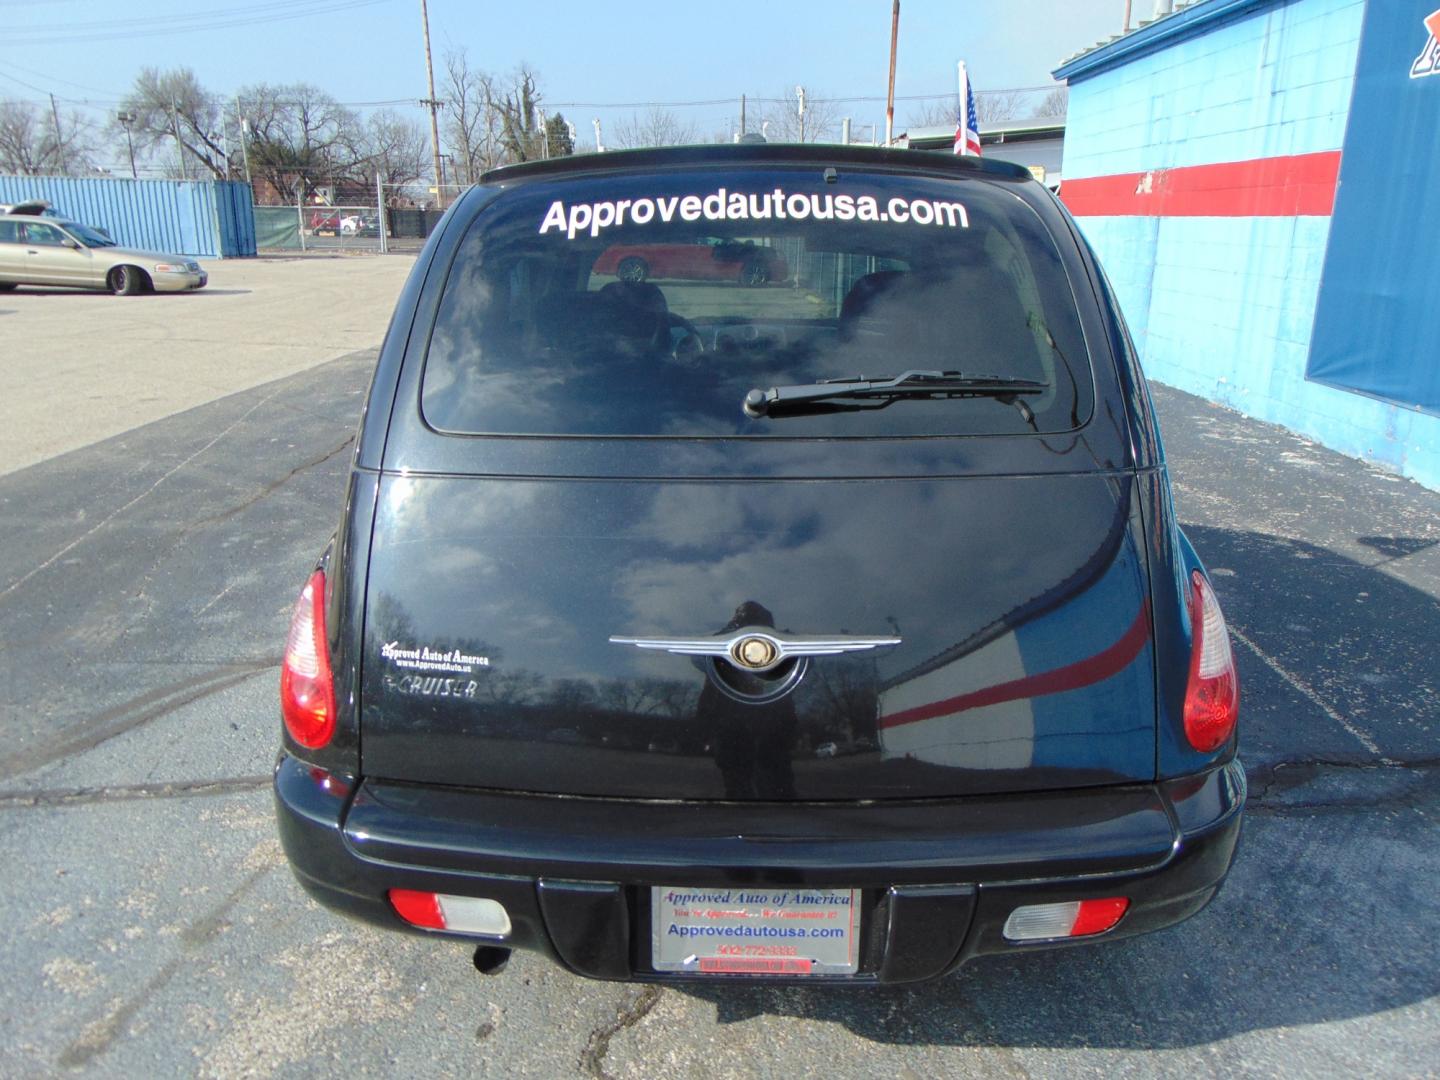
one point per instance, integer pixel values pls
(967, 125)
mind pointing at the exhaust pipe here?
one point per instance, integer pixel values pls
(491, 960)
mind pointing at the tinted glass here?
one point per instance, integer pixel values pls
(9, 232)
(650, 305)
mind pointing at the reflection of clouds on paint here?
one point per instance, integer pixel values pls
(813, 561)
(706, 515)
(549, 570)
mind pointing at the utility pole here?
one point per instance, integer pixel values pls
(179, 146)
(890, 94)
(380, 221)
(59, 138)
(433, 104)
(800, 93)
(599, 146)
(742, 114)
(244, 150)
(1126, 27)
(126, 119)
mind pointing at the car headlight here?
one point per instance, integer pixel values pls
(170, 268)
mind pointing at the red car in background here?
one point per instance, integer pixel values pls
(706, 259)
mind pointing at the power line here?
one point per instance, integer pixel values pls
(861, 99)
(192, 22)
(56, 78)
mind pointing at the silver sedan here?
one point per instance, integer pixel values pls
(37, 250)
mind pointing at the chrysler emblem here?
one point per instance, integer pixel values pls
(759, 649)
(754, 652)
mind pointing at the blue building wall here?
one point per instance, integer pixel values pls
(202, 218)
(1224, 306)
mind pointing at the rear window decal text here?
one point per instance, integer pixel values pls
(722, 205)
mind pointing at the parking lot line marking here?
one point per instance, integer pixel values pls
(1306, 691)
(116, 513)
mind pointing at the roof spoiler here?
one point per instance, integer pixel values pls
(820, 154)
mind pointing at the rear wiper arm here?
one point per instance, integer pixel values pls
(815, 397)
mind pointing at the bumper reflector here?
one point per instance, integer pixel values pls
(1077, 918)
(457, 914)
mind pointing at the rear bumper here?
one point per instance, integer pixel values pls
(939, 878)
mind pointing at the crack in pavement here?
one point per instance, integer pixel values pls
(592, 1058)
(175, 789)
(123, 718)
(268, 489)
(1288, 775)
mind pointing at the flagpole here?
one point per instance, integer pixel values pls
(890, 94)
(962, 120)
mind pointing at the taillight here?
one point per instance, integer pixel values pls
(1074, 918)
(307, 691)
(458, 914)
(1212, 696)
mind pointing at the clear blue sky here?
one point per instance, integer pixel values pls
(644, 50)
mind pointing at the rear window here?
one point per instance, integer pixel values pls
(651, 305)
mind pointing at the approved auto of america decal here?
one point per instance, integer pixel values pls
(1428, 62)
(425, 658)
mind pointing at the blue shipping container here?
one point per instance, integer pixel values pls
(203, 218)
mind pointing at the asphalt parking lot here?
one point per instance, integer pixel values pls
(150, 552)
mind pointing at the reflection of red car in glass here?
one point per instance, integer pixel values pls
(706, 259)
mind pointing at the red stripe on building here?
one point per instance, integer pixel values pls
(1301, 185)
(1072, 677)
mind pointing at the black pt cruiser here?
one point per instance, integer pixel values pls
(800, 599)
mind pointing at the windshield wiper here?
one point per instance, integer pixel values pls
(822, 396)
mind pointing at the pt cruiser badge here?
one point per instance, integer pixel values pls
(752, 649)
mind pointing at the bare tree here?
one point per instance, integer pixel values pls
(991, 107)
(656, 127)
(171, 108)
(1055, 103)
(300, 135)
(31, 145)
(780, 118)
(394, 146)
(938, 113)
(471, 127)
(994, 107)
(517, 105)
(490, 121)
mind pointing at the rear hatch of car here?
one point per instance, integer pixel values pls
(580, 531)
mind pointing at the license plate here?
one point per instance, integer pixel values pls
(750, 931)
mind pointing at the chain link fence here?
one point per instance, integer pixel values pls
(399, 218)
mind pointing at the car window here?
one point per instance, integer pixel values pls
(9, 232)
(90, 237)
(43, 235)
(650, 306)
